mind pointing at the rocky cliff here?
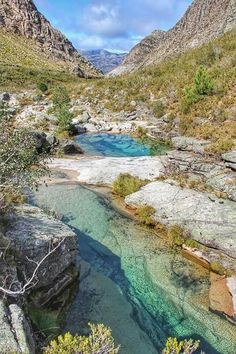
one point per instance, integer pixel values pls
(203, 21)
(104, 60)
(23, 18)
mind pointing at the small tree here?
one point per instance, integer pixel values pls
(21, 165)
(203, 82)
(64, 119)
(60, 97)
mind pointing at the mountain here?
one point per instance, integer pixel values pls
(104, 60)
(203, 21)
(21, 17)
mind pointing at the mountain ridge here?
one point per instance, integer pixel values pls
(203, 21)
(104, 59)
(23, 18)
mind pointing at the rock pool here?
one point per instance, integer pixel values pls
(131, 282)
(119, 145)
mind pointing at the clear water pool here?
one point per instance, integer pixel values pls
(134, 284)
(119, 145)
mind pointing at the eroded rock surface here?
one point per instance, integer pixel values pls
(209, 220)
(103, 171)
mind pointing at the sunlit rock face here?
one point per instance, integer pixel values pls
(202, 22)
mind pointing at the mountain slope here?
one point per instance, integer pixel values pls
(203, 21)
(104, 60)
(22, 17)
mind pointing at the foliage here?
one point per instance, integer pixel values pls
(60, 97)
(42, 87)
(21, 165)
(158, 109)
(218, 268)
(176, 236)
(64, 119)
(145, 215)
(203, 86)
(220, 146)
(99, 341)
(126, 184)
(173, 346)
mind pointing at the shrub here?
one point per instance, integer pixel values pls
(64, 119)
(21, 164)
(220, 146)
(216, 267)
(203, 86)
(60, 97)
(203, 82)
(126, 184)
(173, 346)
(158, 109)
(145, 215)
(176, 236)
(99, 341)
(42, 87)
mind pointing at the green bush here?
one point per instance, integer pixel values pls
(173, 346)
(64, 119)
(145, 215)
(203, 82)
(42, 87)
(203, 86)
(158, 109)
(176, 236)
(99, 341)
(60, 97)
(126, 184)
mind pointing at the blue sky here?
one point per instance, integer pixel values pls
(111, 24)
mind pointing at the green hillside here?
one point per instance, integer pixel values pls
(22, 63)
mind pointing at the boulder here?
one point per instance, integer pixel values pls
(190, 144)
(207, 219)
(32, 234)
(230, 159)
(80, 129)
(5, 97)
(70, 147)
(225, 183)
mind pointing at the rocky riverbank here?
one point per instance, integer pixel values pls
(37, 269)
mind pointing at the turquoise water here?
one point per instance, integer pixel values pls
(131, 282)
(118, 145)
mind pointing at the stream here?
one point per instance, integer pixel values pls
(131, 281)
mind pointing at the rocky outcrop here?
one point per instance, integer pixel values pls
(32, 234)
(15, 332)
(23, 18)
(208, 220)
(202, 22)
(103, 171)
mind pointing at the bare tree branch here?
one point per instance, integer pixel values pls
(32, 281)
